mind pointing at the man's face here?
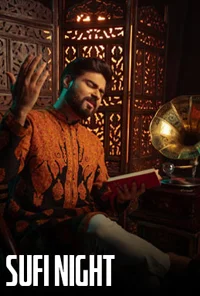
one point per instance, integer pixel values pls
(85, 93)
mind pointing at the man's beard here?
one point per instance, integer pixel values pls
(76, 104)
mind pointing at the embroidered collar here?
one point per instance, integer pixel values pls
(61, 116)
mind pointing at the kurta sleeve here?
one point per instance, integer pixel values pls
(14, 146)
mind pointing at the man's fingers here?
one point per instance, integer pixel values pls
(42, 79)
(119, 190)
(120, 195)
(124, 194)
(38, 75)
(32, 67)
(11, 77)
(23, 70)
(142, 189)
(134, 189)
(27, 63)
(136, 192)
(125, 189)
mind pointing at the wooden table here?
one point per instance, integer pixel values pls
(169, 217)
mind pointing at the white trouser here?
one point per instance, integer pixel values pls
(132, 250)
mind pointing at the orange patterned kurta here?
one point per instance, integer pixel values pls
(60, 169)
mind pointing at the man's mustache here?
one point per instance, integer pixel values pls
(91, 100)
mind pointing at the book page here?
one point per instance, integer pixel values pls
(144, 172)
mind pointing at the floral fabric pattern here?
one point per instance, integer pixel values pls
(55, 170)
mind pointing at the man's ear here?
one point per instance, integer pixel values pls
(66, 81)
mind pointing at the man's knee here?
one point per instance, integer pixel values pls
(100, 225)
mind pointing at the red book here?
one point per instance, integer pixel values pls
(149, 177)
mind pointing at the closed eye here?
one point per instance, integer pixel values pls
(90, 84)
(93, 85)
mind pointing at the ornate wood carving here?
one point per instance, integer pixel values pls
(26, 26)
(149, 87)
(100, 29)
(93, 10)
(27, 32)
(104, 39)
(26, 9)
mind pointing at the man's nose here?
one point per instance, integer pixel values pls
(96, 95)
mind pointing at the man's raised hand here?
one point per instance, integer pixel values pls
(26, 88)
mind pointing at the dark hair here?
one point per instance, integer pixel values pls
(81, 65)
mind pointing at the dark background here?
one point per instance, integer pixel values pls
(183, 50)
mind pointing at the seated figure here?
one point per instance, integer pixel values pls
(58, 198)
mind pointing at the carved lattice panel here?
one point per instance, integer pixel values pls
(145, 145)
(139, 72)
(91, 29)
(141, 164)
(150, 74)
(146, 39)
(94, 34)
(160, 77)
(3, 63)
(115, 134)
(113, 167)
(25, 32)
(105, 40)
(136, 140)
(148, 105)
(117, 66)
(149, 86)
(47, 58)
(96, 124)
(93, 51)
(25, 27)
(150, 17)
(111, 101)
(19, 50)
(5, 99)
(5, 103)
(92, 10)
(142, 148)
(70, 54)
(26, 9)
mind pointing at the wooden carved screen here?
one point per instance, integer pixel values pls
(148, 81)
(105, 29)
(97, 29)
(26, 26)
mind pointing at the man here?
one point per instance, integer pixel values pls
(57, 174)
